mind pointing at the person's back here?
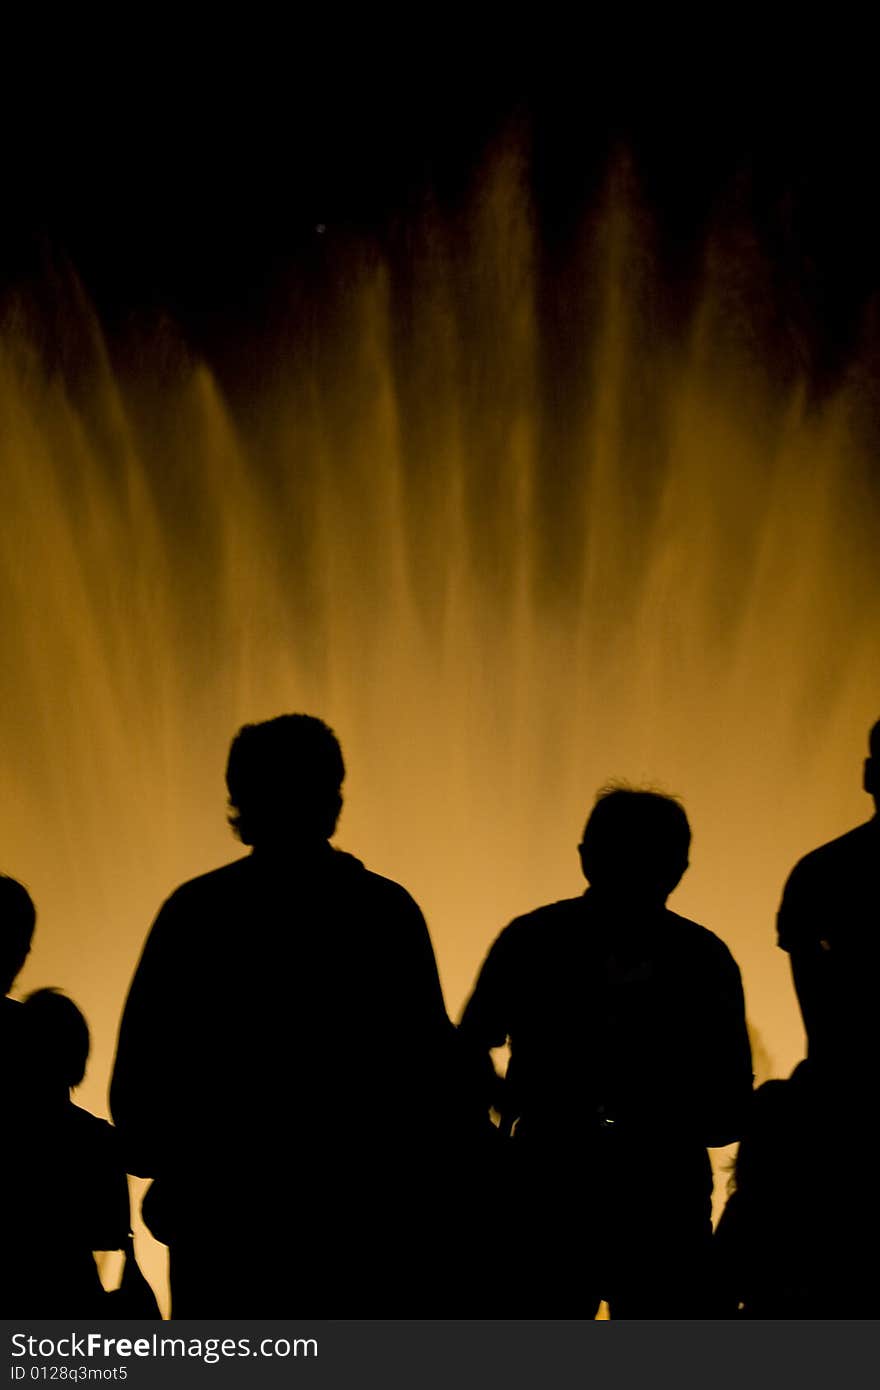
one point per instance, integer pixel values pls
(799, 1231)
(289, 1010)
(605, 1029)
(70, 1193)
(629, 1056)
(17, 921)
(829, 923)
(282, 1057)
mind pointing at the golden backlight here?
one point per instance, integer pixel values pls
(504, 570)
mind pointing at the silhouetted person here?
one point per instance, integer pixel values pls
(798, 1237)
(283, 1061)
(628, 1057)
(17, 920)
(829, 922)
(66, 1193)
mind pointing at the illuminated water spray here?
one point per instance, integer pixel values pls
(508, 548)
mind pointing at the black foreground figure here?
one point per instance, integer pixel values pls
(65, 1189)
(798, 1236)
(629, 1056)
(285, 1064)
(829, 922)
(17, 921)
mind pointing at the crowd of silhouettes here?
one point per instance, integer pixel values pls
(327, 1143)
(64, 1184)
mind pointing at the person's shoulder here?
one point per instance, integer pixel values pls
(376, 890)
(839, 872)
(857, 844)
(781, 1098)
(550, 915)
(208, 898)
(84, 1120)
(91, 1132)
(215, 883)
(698, 941)
(544, 923)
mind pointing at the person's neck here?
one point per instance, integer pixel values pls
(613, 902)
(292, 851)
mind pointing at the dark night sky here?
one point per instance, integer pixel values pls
(196, 188)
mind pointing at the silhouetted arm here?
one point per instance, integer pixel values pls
(811, 974)
(421, 994)
(108, 1211)
(416, 1038)
(485, 1021)
(485, 1024)
(720, 1104)
(144, 1089)
(799, 929)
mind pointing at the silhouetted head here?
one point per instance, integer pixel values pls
(635, 845)
(285, 781)
(17, 920)
(58, 1039)
(872, 765)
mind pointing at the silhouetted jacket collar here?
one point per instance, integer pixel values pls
(313, 860)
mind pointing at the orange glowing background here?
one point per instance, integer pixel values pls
(500, 584)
